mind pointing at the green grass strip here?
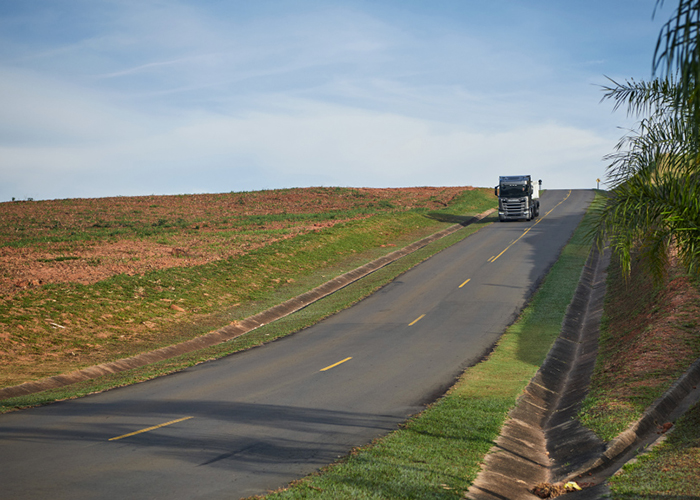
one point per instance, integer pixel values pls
(438, 453)
(670, 470)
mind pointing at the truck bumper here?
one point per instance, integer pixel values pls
(512, 216)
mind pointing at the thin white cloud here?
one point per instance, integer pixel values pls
(164, 97)
(144, 67)
(321, 143)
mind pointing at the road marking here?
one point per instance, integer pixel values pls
(562, 201)
(150, 428)
(493, 259)
(416, 320)
(460, 286)
(335, 364)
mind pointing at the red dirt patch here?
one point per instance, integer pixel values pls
(654, 333)
(88, 240)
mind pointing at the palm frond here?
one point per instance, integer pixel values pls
(654, 174)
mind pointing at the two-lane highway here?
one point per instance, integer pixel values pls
(256, 420)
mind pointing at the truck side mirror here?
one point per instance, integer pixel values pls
(495, 191)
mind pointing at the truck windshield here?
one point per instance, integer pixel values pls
(513, 190)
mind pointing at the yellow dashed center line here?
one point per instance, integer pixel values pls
(493, 259)
(150, 428)
(335, 364)
(416, 320)
(460, 286)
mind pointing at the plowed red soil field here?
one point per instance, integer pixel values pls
(88, 240)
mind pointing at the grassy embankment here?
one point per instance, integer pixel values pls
(671, 471)
(212, 295)
(649, 337)
(438, 454)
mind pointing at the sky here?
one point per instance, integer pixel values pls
(139, 97)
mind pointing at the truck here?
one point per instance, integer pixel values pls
(518, 197)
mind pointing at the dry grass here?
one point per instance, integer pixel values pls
(650, 335)
(90, 281)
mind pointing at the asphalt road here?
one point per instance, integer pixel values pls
(259, 419)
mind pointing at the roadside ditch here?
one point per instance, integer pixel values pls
(543, 446)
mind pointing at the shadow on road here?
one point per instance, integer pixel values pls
(238, 436)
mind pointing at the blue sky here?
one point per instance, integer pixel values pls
(139, 97)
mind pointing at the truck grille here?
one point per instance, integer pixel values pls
(514, 208)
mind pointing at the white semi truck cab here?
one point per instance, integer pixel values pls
(518, 197)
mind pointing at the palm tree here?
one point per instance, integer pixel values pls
(652, 209)
(653, 206)
(677, 55)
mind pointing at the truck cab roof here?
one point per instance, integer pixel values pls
(514, 178)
